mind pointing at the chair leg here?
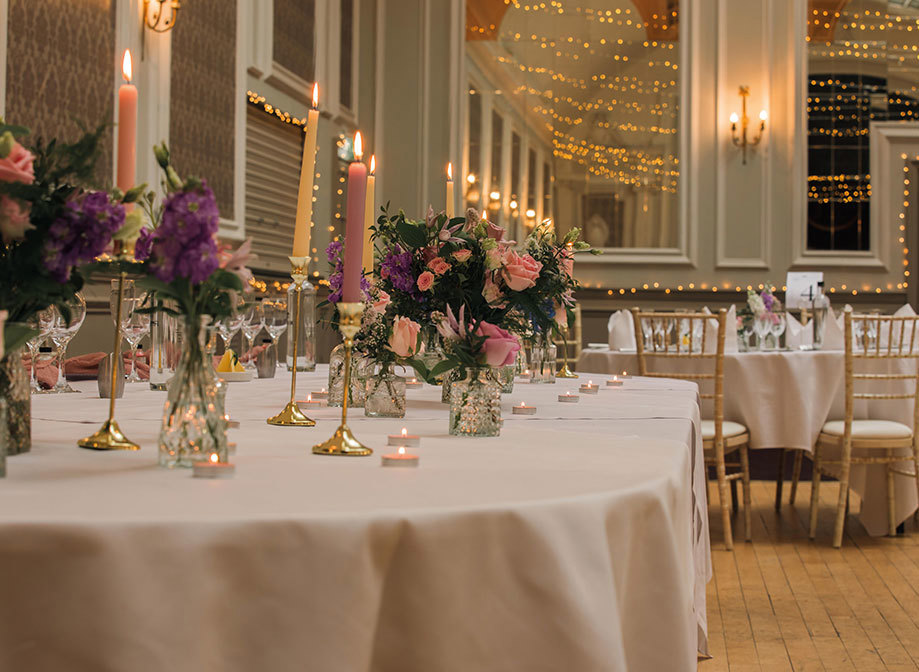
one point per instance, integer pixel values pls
(916, 468)
(796, 476)
(747, 499)
(723, 493)
(842, 504)
(815, 493)
(733, 497)
(780, 480)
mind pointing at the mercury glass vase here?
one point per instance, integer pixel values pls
(361, 370)
(194, 421)
(385, 397)
(14, 390)
(475, 404)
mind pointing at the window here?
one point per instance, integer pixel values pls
(516, 159)
(471, 186)
(346, 65)
(497, 156)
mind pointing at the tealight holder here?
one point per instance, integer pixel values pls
(589, 388)
(213, 468)
(309, 402)
(400, 459)
(110, 436)
(343, 442)
(614, 382)
(404, 439)
(523, 409)
(413, 384)
(321, 395)
(291, 415)
(569, 398)
(625, 375)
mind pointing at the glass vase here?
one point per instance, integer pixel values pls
(446, 384)
(475, 404)
(165, 345)
(194, 421)
(385, 397)
(306, 335)
(506, 377)
(431, 352)
(543, 361)
(14, 390)
(361, 370)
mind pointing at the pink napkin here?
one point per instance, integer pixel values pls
(82, 367)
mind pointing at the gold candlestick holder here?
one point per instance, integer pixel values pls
(292, 416)
(343, 442)
(110, 436)
(565, 372)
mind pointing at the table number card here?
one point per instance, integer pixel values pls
(801, 288)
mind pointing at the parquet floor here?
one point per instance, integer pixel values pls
(784, 602)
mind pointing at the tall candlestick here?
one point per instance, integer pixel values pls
(369, 207)
(307, 171)
(127, 126)
(449, 190)
(354, 225)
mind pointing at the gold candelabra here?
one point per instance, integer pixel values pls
(741, 140)
(565, 372)
(343, 442)
(110, 436)
(292, 416)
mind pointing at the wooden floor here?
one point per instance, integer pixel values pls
(783, 602)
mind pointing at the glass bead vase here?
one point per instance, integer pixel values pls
(506, 377)
(14, 390)
(306, 336)
(194, 423)
(361, 370)
(446, 384)
(165, 344)
(385, 396)
(475, 404)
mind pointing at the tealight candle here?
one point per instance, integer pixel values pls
(590, 388)
(213, 468)
(625, 375)
(523, 409)
(525, 376)
(569, 398)
(413, 384)
(321, 394)
(614, 382)
(405, 439)
(400, 459)
(309, 402)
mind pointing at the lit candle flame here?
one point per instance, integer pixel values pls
(373, 163)
(126, 69)
(484, 215)
(214, 458)
(309, 397)
(401, 450)
(624, 372)
(450, 171)
(358, 147)
(316, 96)
(404, 432)
(323, 389)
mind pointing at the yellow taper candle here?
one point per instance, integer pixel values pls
(369, 216)
(449, 190)
(305, 192)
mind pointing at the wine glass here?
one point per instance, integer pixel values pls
(253, 321)
(229, 326)
(777, 328)
(62, 332)
(762, 325)
(42, 322)
(137, 326)
(275, 313)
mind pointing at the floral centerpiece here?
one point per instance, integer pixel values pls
(182, 263)
(51, 225)
(761, 315)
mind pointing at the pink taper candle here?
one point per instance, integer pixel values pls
(127, 126)
(354, 225)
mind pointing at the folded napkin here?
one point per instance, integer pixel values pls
(797, 334)
(82, 367)
(834, 334)
(905, 310)
(730, 332)
(621, 331)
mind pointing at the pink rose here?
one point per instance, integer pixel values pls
(425, 281)
(379, 306)
(14, 220)
(439, 266)
(500, 347)
(462, 256)
(520, 271)
(17, 167)
(492, 293)
(404, 338)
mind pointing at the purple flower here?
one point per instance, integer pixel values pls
(336, 277)
(81, 233)
(768, 300)
(397, 267)
(143, 245)
(185, 243)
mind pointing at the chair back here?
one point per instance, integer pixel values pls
(665, 337)
(886, 350)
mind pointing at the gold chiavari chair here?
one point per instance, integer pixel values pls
(875, 441)
(699, 339)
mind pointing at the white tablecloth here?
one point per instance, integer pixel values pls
(577, 540)
(784, 398)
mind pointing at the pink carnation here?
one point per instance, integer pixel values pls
(425, 281)
(438, 265)
(520, 271)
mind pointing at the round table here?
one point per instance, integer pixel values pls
(784, 397)
(577, 540)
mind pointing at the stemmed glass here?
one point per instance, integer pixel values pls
(229, 326)
(275, 314)
(42, 322)
(137, 327)
(253, 321)
(762, 325)
(62, 332)
(777, 328)
(132, 329)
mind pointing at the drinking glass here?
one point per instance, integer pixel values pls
(42, 322)
(62, 332)
(137, 326)
(253, 321)
(778, 327)
(275, 314)
(762, 325)
(229, 326)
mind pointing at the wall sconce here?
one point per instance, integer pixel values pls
(742, 141)
(160, 15)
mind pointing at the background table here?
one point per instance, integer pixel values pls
(577, 540)
(784, 398)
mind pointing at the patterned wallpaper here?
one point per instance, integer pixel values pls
(60, 69)
(202, 110)
(293, 36)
